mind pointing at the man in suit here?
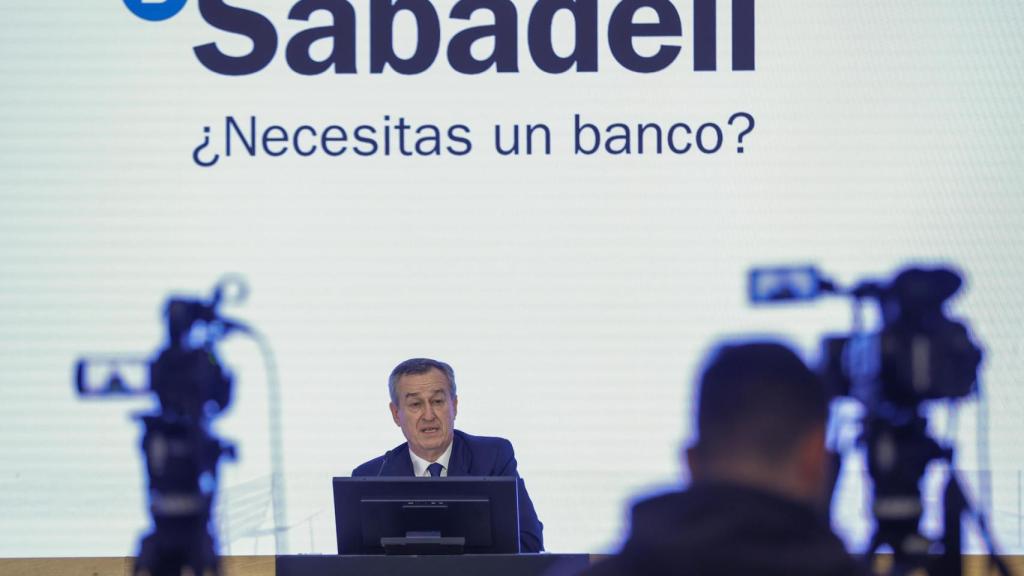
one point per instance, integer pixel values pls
(424, 404)
(760, 480)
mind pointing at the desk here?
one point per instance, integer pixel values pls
(468, 565)
(230, 566)
(269, 565)
(313, 565)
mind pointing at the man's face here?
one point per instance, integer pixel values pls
(425, 412)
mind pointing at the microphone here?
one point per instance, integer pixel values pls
(383, 462)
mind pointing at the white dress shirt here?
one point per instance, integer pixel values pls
(419, 465)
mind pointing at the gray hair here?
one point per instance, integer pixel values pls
(419, 366)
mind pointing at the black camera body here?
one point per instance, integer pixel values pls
(919, 353)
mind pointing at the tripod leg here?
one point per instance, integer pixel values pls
(951, 562)
(956, 504)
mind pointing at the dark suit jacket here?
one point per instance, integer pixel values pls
(471, 456)
(728, 530)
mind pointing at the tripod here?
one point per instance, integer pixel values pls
(898, 454)
(181, 460)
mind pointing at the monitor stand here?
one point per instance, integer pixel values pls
(423, 543)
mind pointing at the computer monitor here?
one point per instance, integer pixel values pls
(452, 515)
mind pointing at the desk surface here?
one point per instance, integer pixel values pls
(243, 565)
(266, 566)
(232, 566)
(463, 565)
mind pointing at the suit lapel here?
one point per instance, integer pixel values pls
(462, 458)
(399, 463)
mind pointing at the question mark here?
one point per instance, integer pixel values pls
(750, 128)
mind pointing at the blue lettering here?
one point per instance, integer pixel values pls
(275, 135)
(584, 54)
(382, 48)
(230, 126)
(504, 31)
(622, 30)
(328, 138)
(342, 36)
(705, 41)
(251, 24)
(459, 133)
(296, 142)
(363, 139)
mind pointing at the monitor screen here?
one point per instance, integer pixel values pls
(481, 514)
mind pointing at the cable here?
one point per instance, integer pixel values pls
(985, 504)
(277, 489)
(984, 458)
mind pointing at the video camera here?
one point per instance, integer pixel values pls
(918, 354)
(181, 453)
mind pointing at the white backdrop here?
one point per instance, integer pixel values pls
(574, 295)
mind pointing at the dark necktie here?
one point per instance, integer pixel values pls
(435, 469)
